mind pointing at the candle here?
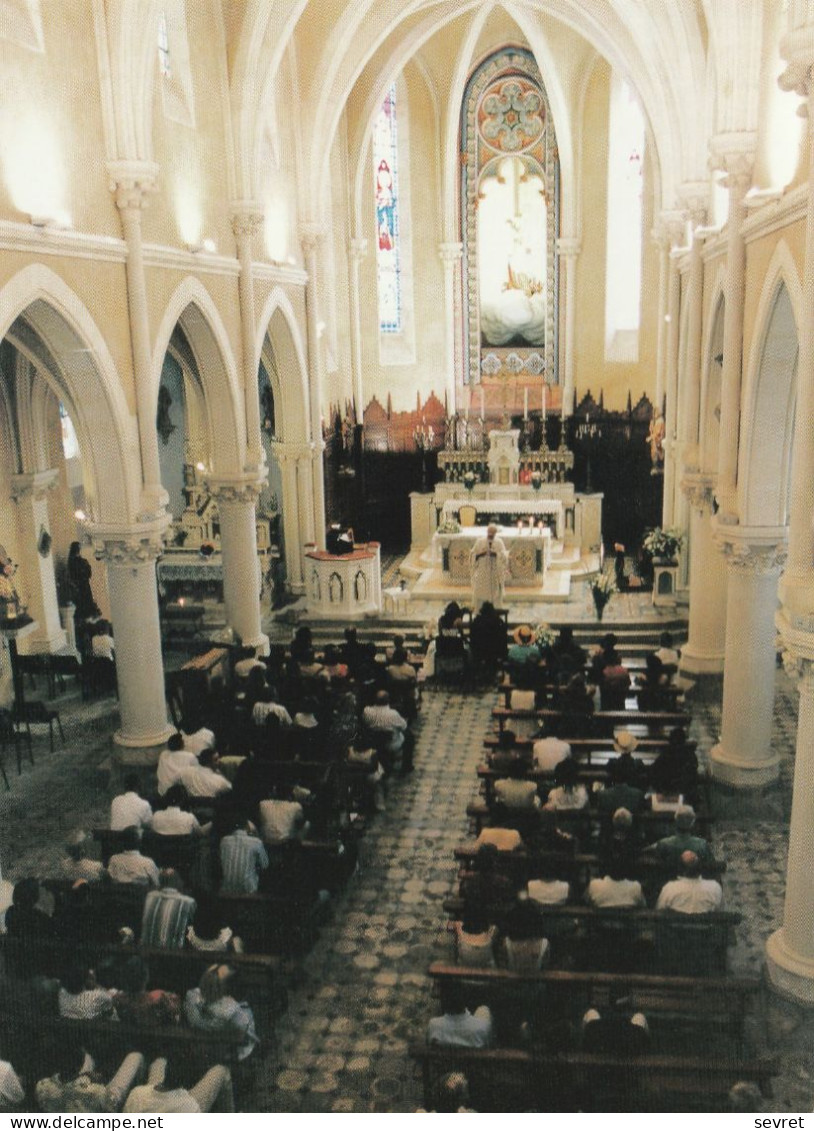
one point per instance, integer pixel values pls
(544, 392)
(526, 403)
(482, 404)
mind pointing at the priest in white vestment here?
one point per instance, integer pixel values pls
(489, 565)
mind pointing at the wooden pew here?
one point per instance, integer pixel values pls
(516, 1080)
(600, 723)
(697, 1004)
(585, 823)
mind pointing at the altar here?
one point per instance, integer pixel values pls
(507, 511)
(529, 554)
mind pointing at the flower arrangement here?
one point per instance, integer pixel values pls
(544, 635)
(602, 589)
(449, 526)
(536, 480)
(469, 480)
(661, 543)
(206, 550)
(8, 568)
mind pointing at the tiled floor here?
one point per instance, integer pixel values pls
(342, 1044)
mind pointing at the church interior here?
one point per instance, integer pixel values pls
(322, 324)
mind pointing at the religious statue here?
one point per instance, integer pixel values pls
(655, 438)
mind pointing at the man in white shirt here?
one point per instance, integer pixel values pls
(174, 819)
(129, 808)
(164, 1091)
(514, 792)
(204, 780)
(458, 1026)
(614, 891)
(267, 705)
(129, 866)
(549, 752)
(665, 651)
(280, 820)
(173, 761)
(242, 859)
(690, 894)
(198, 740)
(381, 717)
(76, 865)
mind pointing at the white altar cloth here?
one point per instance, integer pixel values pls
(514, 506)
(529, 554)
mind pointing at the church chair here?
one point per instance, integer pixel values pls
(468, 515)
(36, 713)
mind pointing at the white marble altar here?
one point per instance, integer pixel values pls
(529, 554)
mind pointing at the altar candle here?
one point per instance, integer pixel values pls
(482, 404)
(526, 403)
(544, 392)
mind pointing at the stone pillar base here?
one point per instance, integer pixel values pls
(790, 975)
(701, 663)
(731, 770)
(260, 643)
(158, 738)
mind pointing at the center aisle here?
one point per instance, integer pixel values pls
(343, 1042)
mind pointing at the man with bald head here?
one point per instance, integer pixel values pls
(690, 894)
(489, 562)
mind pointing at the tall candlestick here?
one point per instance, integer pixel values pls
(482, 404)
(544, 401)
(526, 403)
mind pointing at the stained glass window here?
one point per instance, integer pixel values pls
(388, 252)
(624, 263)
(164, 46)
(70, 444)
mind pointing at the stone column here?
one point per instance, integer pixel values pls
(568, 250)
(754, 556)
(450, 254)
(704, 650)
(306, 469)
(30, 493)
(662, 238)
(286, 457)
(130, 554)
(247, 218)
(131, 182)
(236, 501)
(671, 374)
(738, 165)
(312, 237)
(357, 250)
(694, 196)
(790, 951)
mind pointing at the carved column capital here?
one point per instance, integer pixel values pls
(33, 485)
(358, 247)
(734, 153)
(694, 196)
(243, 489)
(699, 491)
(450, 253)
(671, 227)
(246, 218)
(797, 646)
(132, 182)
(284, 451)
(752, 550)
(569, 246)
(312, 235)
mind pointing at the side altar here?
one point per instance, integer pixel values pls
(554, 530)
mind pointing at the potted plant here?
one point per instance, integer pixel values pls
(536, 481)
(544, 635)
(662, 544)
(602, 588)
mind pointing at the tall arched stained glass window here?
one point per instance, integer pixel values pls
(624, 263)
(386, 182)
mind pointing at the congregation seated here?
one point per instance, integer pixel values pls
(136, 1005)
(82, 998)
(24, 919)
(247, 661)
(675, 770)
(450, 622)
(76, 864)
(174, 817)
(614, 685)
(504, 840)
(208, 933)
(487, 638)
(364, 757)
(622, 794)
(12, 1092)
(130, 808)
(102, 645)
(267, 704)
(546, 836)
(204, 780)
(164, 1091)
(525, 946)
(523, 657)
(690, 894)
(380, 719)
(616, 1031)
(654, 692)
(514, 791)
(486, 885)
(307, 731)
(671, 848)
(548, 752)
(282, 820)
(75, 922)
(568, 791)
(547, 889)
(576, 700)
(310, 669)
(614, 890)
(243, 859)
(333, 665)
(666, 652)
(76, 1087)
(196, 740)
(475, 941)
(626, 768)
(568, 657)
(129, 866)
(167, 913)
(619, 842)
(458, 1027)
(452, 1096)
(603, 655)
(211, 1006)
(504, 756)
(173, 761)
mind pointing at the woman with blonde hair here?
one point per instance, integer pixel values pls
(212, 1006)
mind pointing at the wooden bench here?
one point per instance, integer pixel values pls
(669, 942)
(551, 693)
(581, 744)
(600, 723)
(516, 1080)
(719, 1003)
